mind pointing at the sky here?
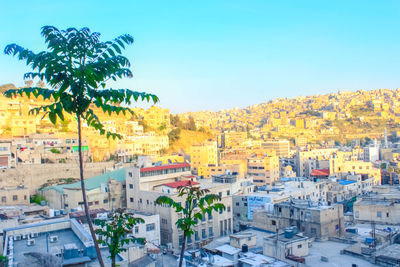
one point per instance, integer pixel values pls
(219, 54)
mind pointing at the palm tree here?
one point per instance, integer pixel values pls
(197, 204)
(77, 66)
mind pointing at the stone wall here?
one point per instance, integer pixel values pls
(33, 176)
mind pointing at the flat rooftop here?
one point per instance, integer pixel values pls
(282, 238)
(65, 237)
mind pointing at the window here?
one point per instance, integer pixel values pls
(150, 227)
(313, 231)
(196, 236)
(273, 222)
(131, 199)
(245, 204)
(105, 201)
(228, 193)
(379, 214)
(220, 194)
(90, 203)
(136, 229)
(229, 209)
(189, 239)
(180, 240)
(210, 231)
(131, 186)
(96, 202)
(203, 233)
(147, 201)
(130, 174)
(3, 199)
(299, 246)
(25, 199)
(237, 203)
(387, 214)
(15, 197)
(357, 214)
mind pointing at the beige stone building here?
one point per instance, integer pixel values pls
(14, 196)
(313, 220)
(382, 206)
(105, 191)
(203, 155)
(284, 245)
(146, 184)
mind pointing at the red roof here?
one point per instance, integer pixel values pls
(320, 172)
(165, 167)
(181, 183)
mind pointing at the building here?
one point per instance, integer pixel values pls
(105, 191)
(204, 154)
(65, 240)
(146, 183)
(281, 147)
(5, 155)
(264, 169)
(287, 245)
(14, 196)
(313, 220)
(308, 160)
(381, 206)
(231, 139)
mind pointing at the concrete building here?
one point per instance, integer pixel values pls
(146, 184)
(105, 191)
(281, 147)
(287, 245)
(381, 206)
(204, 154)
(313, 220)
(14, 196)
(264, 169)
(246, 203)
(5, 155)
(65, 240)
(307, 160)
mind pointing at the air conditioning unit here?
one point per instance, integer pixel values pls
(17, 237)
(53, 238)
(30, 242)
(34, 235)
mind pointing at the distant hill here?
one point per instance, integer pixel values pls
(187, 138)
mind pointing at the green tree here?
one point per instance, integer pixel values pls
(3, 261)
(77, 66)
(191, 125)
(114, 232)
(198, 203)
(37, 199)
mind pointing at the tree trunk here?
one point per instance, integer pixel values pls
(182, 249)
(113, 261)
(85, 204)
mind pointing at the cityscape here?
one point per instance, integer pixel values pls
(94, 172)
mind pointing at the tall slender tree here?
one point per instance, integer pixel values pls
(198, 203)
(114, 232)
(77, 66)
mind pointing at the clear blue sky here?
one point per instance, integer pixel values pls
(210, 55)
